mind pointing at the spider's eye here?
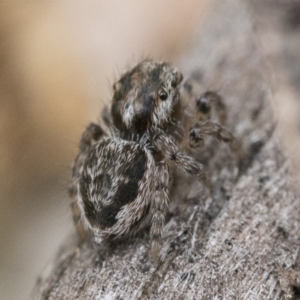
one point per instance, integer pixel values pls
(163, 95)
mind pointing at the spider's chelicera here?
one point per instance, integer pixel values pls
(120, 179)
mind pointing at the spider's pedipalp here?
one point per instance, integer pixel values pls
(202, 129)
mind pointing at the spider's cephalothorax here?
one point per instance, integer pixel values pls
(121, 179)
(145, 97)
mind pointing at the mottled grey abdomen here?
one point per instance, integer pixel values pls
(111, 177)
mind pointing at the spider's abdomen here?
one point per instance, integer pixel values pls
(114, 186)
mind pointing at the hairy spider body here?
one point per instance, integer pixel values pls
(121, 178)
(121, 172)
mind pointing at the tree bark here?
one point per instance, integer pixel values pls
(239, 242)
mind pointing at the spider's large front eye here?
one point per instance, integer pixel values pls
(163, 95)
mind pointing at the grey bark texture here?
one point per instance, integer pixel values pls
(239, 242)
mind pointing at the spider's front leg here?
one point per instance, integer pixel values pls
(205, 103)
(159, 207)
(168, 147)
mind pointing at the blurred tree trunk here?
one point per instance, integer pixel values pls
(277, 24)
(240, 242)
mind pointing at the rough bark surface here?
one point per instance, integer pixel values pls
(239, 242)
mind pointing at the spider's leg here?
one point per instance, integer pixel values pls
(202, 129)
(159, 207)
(166, 145)
(92, 134)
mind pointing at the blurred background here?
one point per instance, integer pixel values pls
(58, 60)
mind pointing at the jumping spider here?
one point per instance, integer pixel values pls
(120, 178)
